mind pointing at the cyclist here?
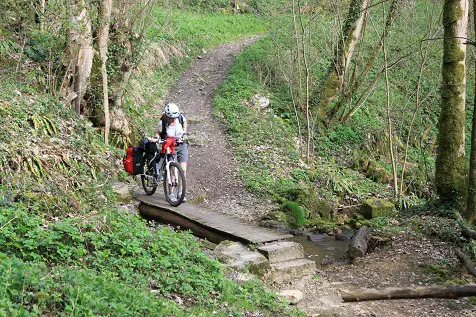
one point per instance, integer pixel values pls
(173, 124)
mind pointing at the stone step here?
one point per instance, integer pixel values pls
(292, 270)
(282, 251)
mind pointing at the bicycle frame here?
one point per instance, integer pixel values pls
(174, 180)
(168, 157)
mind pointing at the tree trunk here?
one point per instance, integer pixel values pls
(343, 55)
(450, 162)
(307, 73)
(467, 262)
(42, 18)
(470, 213)
(389, 120)
(80, 52)
(450, 291)
(356, 81)
(103, 37)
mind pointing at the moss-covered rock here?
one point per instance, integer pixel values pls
(375, 207)
(279, 216)
(361, 161)
(318, 225)
(320, 209)
(378, 173)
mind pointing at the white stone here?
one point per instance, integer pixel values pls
(293, 296)
(122, 192)
(236, 255)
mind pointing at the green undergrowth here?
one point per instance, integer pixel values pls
(207, 30)
(265, 140)
(241, 6)
(68, 248)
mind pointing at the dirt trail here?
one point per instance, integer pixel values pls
(211, 173)
(213, 183)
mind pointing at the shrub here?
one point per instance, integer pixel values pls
(297, 214)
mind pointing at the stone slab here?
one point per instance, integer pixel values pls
(282, 251)
(292, 270)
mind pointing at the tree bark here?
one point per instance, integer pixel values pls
(103, 37)
(389, 119)
(450, 162)
(42, 18)
(468, 232)
(359, 244)
(470, 212)
(356, 81)
(80, 52)
(450, 291)
(307, 73)
(343, 55)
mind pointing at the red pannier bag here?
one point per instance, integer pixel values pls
(133, 161)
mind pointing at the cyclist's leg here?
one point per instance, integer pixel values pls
(182, 157)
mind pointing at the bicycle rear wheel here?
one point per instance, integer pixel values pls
(174, 185)
(149, 178)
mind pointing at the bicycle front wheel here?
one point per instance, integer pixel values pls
(174, 185)
(149, 178)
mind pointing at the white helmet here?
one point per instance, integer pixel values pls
(172, 110)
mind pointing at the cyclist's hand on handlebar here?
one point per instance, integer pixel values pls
(184, 137)
(154, 139)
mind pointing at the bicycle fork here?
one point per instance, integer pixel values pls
(169, 178)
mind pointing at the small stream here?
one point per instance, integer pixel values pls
(322, 248)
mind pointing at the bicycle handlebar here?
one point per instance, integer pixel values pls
(162, 141)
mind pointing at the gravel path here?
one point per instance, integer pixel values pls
(212, 171)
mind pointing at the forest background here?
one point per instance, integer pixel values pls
(355, 90)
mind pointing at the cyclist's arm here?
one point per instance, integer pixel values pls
(159, 129)
(185, 124)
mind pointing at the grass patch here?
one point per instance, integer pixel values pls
(206, 30)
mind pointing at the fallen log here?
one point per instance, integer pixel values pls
(468, 232)
(467, 262)
(359, 243)
(449, 291)
(464, 228)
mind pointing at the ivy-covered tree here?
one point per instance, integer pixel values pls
(450, 163)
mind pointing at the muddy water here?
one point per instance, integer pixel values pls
(323, 249)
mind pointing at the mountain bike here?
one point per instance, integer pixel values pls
(160, 164)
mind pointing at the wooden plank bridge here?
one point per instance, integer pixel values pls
(205, 223)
